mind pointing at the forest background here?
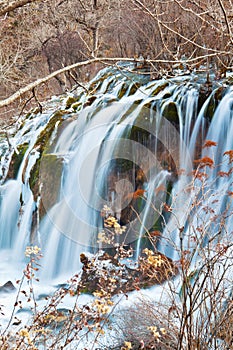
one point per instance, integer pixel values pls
(39, 37)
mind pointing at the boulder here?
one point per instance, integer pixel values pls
(8, 287)
(102, 271)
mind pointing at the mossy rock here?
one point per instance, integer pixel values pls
(97, 84)
(58, 114)
(89, 100)
(71, 100)
(42, 143)
(123, 165)
(144, 125)
(76, 106)
(16, 161)
(34, 179)
(122, 90)
(46, 176)
(213, 103)
(159, 88)
(130, 110)
(210, 109)
(43, 146)
(170, 112)
(140, 135)
(167, 95)
(133, 88)
(151, 105)
(204, 92)
(145, 120)
(94, 86)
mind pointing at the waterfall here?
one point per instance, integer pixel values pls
(16, 199)
(88, 150)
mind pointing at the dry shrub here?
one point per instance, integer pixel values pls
(146, 325)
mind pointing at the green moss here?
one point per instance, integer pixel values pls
(58, 114)
(43, 146)
(123, 165)
(205, 90)
(122, 90)
(130, 110)
(42, 142)
(50, 175)
(139, 134)
(157, 225)
(159, 88)
(151, 106)
(87, 290)
(133, 88)
(209, 111)
(170, 112)
(34, 179)
(46, 174)
(96, 84)
(213, 103)
(70, 100)
(16, 161)
(76, 106)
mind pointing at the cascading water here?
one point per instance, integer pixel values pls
(16, 199)
(92, 156)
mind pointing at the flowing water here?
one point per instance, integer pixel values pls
(88, 150)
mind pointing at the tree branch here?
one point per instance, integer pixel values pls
(111, 60)
(40, 81)
(141, 5)
(226, 19)
(8, 6)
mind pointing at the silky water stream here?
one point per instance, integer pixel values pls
(127, 135)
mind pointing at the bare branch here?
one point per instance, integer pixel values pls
(111, 60)
(226, 19)
(43, 80)
(177, 33)
(8, 6)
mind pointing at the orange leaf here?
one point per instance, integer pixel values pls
(223, 174)
(139, 193)
(199, 175)
(209, 143)
(229, 154)
(155, 233)
(205, 161)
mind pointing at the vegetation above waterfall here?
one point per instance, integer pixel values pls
(70, 41)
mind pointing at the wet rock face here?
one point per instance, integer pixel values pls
(50, 181)
(170, 112)
(16, 161)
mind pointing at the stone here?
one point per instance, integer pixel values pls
(102, 267)
(8, 287)
(170, 112)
